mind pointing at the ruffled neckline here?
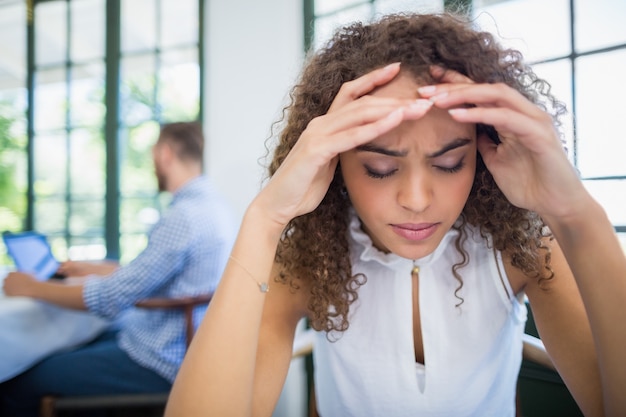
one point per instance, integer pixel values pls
(368, 252)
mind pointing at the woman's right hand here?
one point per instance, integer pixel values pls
(354, 118)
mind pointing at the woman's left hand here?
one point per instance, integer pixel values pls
(529, 165)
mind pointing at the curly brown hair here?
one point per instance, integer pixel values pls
(314, 247)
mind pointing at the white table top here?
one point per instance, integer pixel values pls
(30, 330)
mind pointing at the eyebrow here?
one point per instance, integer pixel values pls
(456, 143)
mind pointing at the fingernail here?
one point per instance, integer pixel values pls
(438, 97)
(421, 103)
(396, 112)
(427, 89)
(458, 111)
(391, 66)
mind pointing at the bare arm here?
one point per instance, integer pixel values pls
(81, 269)
(59, 293)
(239, 357)
(595, 257)
(564, 329)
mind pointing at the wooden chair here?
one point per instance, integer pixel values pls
(136, 404)
(533, 352)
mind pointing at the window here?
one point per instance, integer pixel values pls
(81, 100)
(13, 99)
(322, 17)
(67, 113)
(160, 82)
(580, 48)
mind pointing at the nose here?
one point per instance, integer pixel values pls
(416, 192)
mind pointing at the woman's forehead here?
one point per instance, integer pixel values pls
(432, 130)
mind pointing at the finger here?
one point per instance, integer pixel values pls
(354, 89)
(485, 95)
(445, 75)
(367, 111)
(509, 124)
(434, 92)
(360, 135)
(487, 148)
(350, 138)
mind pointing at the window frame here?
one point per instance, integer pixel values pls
(468, 5)
(112, 119)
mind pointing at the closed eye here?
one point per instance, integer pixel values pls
(452, 170)
(379, 175)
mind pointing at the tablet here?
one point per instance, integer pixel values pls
(31, 253)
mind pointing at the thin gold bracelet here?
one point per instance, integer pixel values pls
(263, 286)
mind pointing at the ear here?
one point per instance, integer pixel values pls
(166, 153)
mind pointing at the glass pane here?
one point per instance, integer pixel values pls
(50, 216)
(599, 23)
(87, 95)
(138, 215)
(137, 168)
(58, 245)
(139, 32)
(87, 163)
(395, 6)
(326, 26)
(180, 22)
(50, 32)
(87, 29)
(84, 249)
(50, 99)
(13, 35)
(538, 29)
(87, 218)
(138, 89)
(559, 75)
(179, 85)
(622, 239)
(13, 162)
(329, 6)
(49, 165)
(600, 114)
(131, 245)
(612, 195)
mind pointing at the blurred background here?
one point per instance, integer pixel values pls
(84, 85)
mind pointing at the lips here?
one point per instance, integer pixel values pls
(415, 232)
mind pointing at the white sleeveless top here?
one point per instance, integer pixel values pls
(472, 352)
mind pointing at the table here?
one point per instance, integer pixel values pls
(30, 330)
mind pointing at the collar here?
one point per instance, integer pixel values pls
(366, 251)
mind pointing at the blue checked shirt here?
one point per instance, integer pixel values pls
(186, 253)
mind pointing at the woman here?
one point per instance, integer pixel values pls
(418, 191)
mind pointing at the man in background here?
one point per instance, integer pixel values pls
(185, 255)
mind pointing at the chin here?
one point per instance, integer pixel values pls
(411, 251)
(416, 250)
(415, 254)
